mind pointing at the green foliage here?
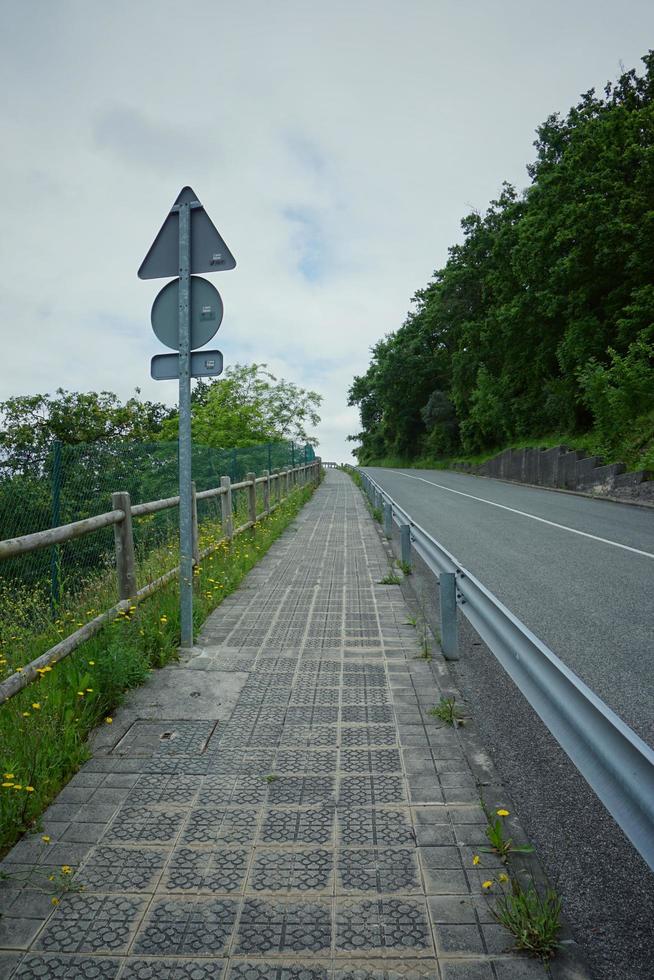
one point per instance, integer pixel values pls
(542, 319)
(31, 423)
(249, 405)
(533, 919)
(448, 710)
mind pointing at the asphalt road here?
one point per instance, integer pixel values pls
(580, 574)
(590, 599)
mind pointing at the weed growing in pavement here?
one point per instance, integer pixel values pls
(499, 843)
(448, 710)
(272, 777)
(390, 578)
(44, 728)
(377, 514)
(404, 567)
(532, 918)
(411, 621)
(46, 879)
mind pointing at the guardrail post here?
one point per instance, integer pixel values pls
(124, 542)
(405, 544)
(449, 644)
(278, 486)
(266, 492)
(195, 536)
(388, 520)
(226, 507)
(252, 496)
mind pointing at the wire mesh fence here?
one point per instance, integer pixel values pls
(72, 482)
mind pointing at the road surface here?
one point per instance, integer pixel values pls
(578, 572)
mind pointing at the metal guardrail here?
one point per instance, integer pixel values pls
(614, 761)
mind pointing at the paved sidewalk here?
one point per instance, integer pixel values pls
(279, 804)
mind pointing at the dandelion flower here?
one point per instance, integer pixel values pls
(36, 706)
(9, 775)
(109, 720)
(487, 884)
(91, 663)
(7, 785)
(502, 813)
(89, 690)
(66, 869)
(476, 859)
(55, 901)
(503, 878)
(45, 838)
(29, 789)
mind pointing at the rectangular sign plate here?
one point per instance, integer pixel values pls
(204, 364)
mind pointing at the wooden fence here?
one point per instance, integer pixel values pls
(275, 488)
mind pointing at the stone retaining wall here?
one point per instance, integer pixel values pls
(567, 469)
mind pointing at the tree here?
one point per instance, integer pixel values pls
(31, 423)
(248, 406)
(542, 319)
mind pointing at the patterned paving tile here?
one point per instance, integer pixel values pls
(283, 927)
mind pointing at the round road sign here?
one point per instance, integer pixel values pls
(206, 313)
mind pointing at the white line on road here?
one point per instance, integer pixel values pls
(563, 527)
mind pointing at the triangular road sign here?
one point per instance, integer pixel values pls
(208, 251)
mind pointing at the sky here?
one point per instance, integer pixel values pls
(336, 147)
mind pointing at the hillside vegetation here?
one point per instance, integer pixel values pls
(540, 326)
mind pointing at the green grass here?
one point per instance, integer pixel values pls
(44, 728)
(636, 450)
(534, 920)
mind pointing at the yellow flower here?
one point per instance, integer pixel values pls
(9, 775)
(66, 869)
(26, 714)
(29, 789)
(487, 884)
(18, 786)
(503, 878)
(502, 813)
(7, 785)
(91, 663)
(45, 838)
(36, 706)
(89, 690)
(55, 901)
(109, 721)
(80, 694)
(476, 859)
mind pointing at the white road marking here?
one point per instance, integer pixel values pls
(522, 513)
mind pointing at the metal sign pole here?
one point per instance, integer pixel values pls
(185, 316)
(185, 500)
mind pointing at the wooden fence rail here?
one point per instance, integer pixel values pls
(280, 483)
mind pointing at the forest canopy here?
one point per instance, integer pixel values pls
(542, 319)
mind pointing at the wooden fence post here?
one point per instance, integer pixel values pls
(266, 492)
(226, 507)
(252, 496)
(194, 524)
(124, 543)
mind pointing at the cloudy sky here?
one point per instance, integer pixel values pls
(335, 145)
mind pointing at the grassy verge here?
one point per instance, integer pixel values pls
(636, 451)
(44, 729)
